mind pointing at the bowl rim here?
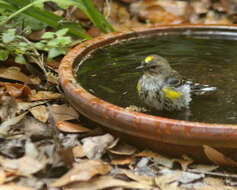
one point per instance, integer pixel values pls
(182, 132)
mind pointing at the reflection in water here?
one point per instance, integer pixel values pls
(110, 73)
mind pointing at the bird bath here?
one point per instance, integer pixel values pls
(106, 66)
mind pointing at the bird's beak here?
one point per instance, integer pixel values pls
(140, 67)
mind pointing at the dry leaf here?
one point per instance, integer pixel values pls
(40, 112)
(14, 187)
(23, 166)
(14, 73)
(94, 147)
(184, 162)
(63, 112)
(217, 157)
(123, 149)
(5, 126)
(162, 160)
(122, 160)
(104, 182)
(44, 95)
(203, 168)
(3, 176)
(23, 106)
(158, 15)
(69, 127)
(139, 178)
(168, 179)
(78, 152)
(83, 172)
(15, 89)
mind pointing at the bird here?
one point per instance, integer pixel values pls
(163, 88)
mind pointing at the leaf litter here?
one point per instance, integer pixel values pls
(45, 145)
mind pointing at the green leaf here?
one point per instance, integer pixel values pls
(48, 35)
(39, 45)
(20, 59)
(9, 36)
(54, 52)
(61, 32)
(4, 55)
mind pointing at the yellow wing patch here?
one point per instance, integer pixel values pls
(138, 88)
(171, 94)
(148, 59)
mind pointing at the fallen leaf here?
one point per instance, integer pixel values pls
(139, 178)
(40, 112)
(158, 15)
(217, 157)
(213, 181)
(14, 187)
(14, 73)
(35, 128)
(83, 171)
(3, 176)
(23, 106)
(168, 178)
(23, 166)
(78, 152)
(203, 168)
(188, 177)
(122, 160)
(5, 126)
(162, 160)
(64, 112)
(16, 90)
(104, 182)
(44, 95)
(69, 127)
(94, 147)
(184, 162)
(123, 149)
(8, 108)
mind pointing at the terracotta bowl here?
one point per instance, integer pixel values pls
(166, 135)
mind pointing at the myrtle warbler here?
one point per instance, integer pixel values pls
(163, 88)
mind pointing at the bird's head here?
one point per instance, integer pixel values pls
(155, 64)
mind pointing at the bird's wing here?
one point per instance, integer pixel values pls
(174, 79)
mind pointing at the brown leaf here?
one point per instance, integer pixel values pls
(14, 187)
(104, 182)
(23, 106)
(69, 127)
(3, 176)
(217, 157)
(40, 112)
(162, 160)
(16, 90)
(167, 179)
(23, 166)
(36, 35)
(139, 178)
(122, 160)
(94, 147)
(78, 152)
(44, 95)
(123, 149)
(5, 126)
(83, 172)
(14, 73)
(64, 112)
(157, 15)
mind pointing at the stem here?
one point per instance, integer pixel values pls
(20, 11)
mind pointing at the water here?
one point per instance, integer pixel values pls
(109, 73)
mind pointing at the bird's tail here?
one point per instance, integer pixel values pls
(199, 89)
